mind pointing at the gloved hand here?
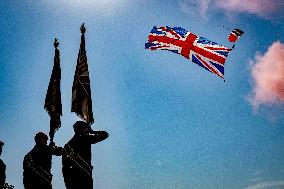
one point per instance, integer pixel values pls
(52, 144)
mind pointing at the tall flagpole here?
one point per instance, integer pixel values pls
(81, 89)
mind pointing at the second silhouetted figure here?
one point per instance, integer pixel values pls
(76, 161)
(37, 163)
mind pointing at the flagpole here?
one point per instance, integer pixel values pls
(81, 89)
(52, 120)
(53, 104)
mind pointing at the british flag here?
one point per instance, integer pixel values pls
(199, 50)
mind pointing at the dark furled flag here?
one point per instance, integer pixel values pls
(234, 35)
(53, 96)
(81, 91)
(199, 50)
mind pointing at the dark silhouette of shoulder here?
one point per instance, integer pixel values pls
(2, 168)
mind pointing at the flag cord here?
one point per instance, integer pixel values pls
(83, 87)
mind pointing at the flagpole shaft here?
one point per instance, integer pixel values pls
(51, 133)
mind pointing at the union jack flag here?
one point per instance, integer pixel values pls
(199, 50)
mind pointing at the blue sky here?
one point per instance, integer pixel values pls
(172, 124)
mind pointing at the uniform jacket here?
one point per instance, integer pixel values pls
(37, 166)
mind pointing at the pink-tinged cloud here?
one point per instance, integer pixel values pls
(269, 9)
(262, 8)
(267, 72)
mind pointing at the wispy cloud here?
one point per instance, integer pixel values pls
(104, 7)
(267, 72)
(190, 7)
(265, 185)
(257, 173)
(261, 8)
(256, 176)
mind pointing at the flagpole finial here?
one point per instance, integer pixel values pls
(56, 43)
(83, 29)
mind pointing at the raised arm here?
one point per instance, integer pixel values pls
(97, 136)
(55, 150)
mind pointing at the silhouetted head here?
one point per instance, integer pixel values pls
(1, 146)
(41, 139)
(80, 127)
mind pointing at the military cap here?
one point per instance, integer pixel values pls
(79, 125)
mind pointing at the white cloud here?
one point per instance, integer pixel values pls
(267, 185)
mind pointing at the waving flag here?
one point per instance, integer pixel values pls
(235, 35)
(81, 90)
(53, 96)
(199, 50)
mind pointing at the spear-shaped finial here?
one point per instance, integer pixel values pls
(83, 29)
(56, 43)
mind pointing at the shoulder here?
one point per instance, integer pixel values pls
(31, 152)
(71, 141)
(2, 164)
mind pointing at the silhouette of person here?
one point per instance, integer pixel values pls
(76, 161)
(2, 168)
(37, 163)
